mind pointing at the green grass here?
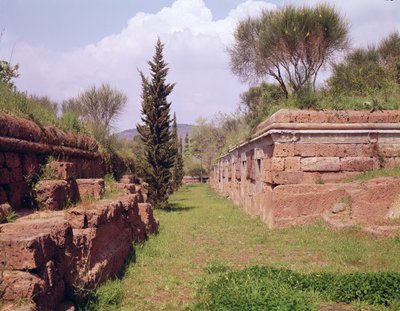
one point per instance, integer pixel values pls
(385, 172)
(206, 236)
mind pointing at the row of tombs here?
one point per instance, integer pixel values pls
(52, 258)
(299, 164)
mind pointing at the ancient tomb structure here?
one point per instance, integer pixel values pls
(294, 169)
(55, 256)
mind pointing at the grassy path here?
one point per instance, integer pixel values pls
(206, 233)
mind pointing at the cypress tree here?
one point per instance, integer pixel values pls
(177, 170)
(187, 145)
(155, 131)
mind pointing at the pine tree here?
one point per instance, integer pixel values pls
(155, 131)
(177, 170)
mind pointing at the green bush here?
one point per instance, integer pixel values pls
(267, 288)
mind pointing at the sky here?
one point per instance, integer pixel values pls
(66, 46)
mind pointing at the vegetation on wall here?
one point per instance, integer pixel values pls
(289, 45)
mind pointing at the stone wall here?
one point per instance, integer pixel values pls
(49, 257)
(304, 148)
(24, 147)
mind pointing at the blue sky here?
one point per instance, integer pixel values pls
(64, 46)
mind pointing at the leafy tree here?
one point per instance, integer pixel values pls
(289, 45)
(389, 50)
(99, 107)
(177, 170)
(360, 73)
(258, 101)
(8, 73)
(155, 131)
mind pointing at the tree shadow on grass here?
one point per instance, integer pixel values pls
(177, 207)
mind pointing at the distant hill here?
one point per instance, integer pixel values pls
(182, 130)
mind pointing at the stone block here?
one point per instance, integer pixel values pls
(93, 188)
(147, 217)
(29, 244)
(52, 194)
(359, 164)
(4, 176)
(318, 117)
(319, 164)
(386, 116)
(284, 178)
(277, 164)
(305, 150)
(63, 170)
(392, 162)
(311, 178)
(292, 164)
(19, 285)
(337, 116)
(300, 116)
(389, 150)
(367, 150)
(327, 150)
(360, 116)
(283, 150)
(12, 160)
(17, 193)
(15, 175)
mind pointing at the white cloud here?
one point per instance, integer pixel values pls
(195, 51)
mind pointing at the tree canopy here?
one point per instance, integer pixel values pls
(289, 45)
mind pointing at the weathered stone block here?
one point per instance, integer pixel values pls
(29, 244)
(359, 164)
(4, 176)
(305, 150)
(337, 116)
(283, 178)
(300, 116)
(91, 188)
(19, 285)
(146, 215)
(358, 116)
(278, 164)
(63, 170)
(319, 164)
(292, 164)
(12, 160)
(15, 175)
(389, 150)
(17, 194)
(53, 194)
(284, 150)
(318, 117)
(392, 162)
(385, 116)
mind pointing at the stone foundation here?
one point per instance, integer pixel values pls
(294, 168)
(49, 257)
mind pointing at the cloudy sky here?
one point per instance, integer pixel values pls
(64, 46)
